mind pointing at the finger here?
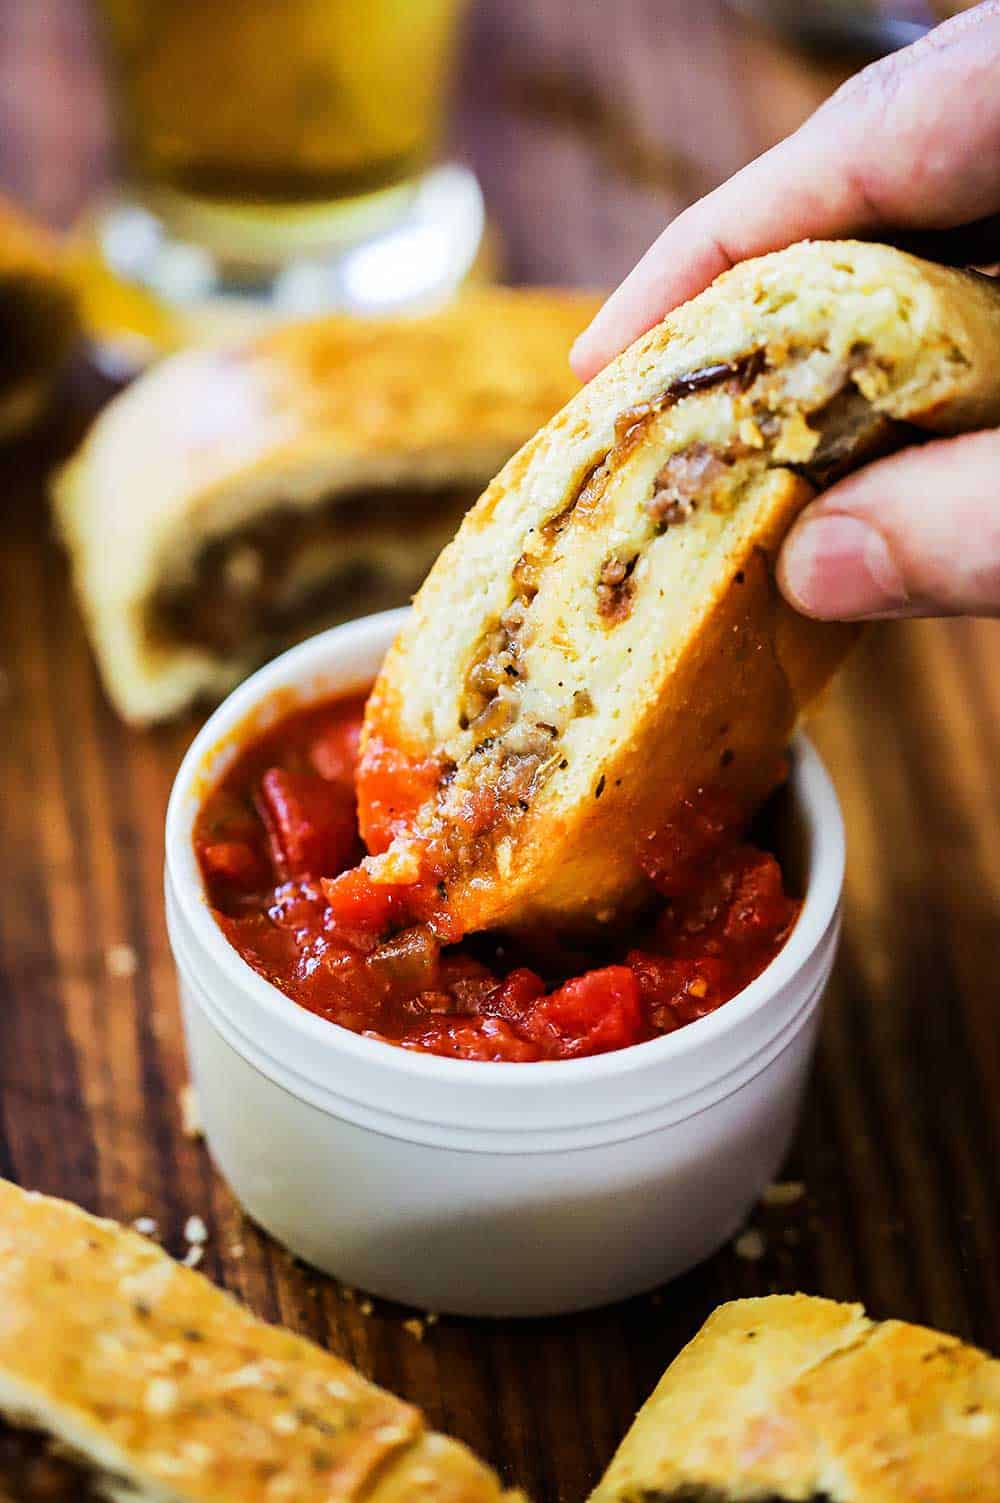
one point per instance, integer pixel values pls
(914, 535)
(912, 143)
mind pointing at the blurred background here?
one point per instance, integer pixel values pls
(216, 161)
(311, 153)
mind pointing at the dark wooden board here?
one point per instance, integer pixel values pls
(589, 124)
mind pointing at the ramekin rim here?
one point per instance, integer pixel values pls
(811, 783)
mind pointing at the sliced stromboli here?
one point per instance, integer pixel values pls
(150, 1383)
(604, 635)
(235, 497)
(794, 1398)
(38, 319)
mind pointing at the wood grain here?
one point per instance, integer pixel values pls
(589, 125)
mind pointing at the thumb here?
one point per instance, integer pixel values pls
(914, 535)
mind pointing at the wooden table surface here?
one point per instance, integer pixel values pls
(589, 124)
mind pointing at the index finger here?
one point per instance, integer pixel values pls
(910, 143)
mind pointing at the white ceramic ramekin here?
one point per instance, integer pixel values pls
(487, 1189)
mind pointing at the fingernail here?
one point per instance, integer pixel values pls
(838, 568)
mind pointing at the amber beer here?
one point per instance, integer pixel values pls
(273, 103)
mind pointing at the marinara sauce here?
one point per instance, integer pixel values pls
(277, 841)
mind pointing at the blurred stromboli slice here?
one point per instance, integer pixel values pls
(604, 637)
(154, 1385)
(240, 495)
(790, 1397)
(38, 319)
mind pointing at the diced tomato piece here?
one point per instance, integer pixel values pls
(341, 985)
(271, 951)
(311, 823)
(674, 856)
(676, 991)
(759, 908)
(466, 981)
(590, 1014)
(515, 997)
(363, 908)
(474, 1038)
(236, 862)
(227, 816)
(297, 905)
(390, 789)
(334, 754)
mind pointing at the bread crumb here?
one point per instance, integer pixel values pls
(187, 1100)
(783, 1193)
(750, 434)
(237, 1250)
(195, 1230)
(193, 1256)
(146, 1226)
(284, 1424)
(121, 961)
(796, 442)
(281, 1486)
(414, 1328)
(366, 1307)
(161, 1396)
(431, 1317)
(251, 1376)
(391, 1435)
(750, 1245)
(872, 382)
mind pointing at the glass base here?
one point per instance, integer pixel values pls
(868, 27)
(163, 271)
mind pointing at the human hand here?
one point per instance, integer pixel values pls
(908, 150)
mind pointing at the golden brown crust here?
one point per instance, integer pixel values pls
(793, 1397)
(701, 675)
(38, 319)
(212, 440)
(157, 1378)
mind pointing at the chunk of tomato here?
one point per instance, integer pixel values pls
(516, 996)
(335, 751)
(237, 863)
(760, 912)
(362, 909)
(676, 991)
(589, 1014)
(311, 824)
(390, 788)
(474, 1038)
(674, 856)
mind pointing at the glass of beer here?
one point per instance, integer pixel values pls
(267, 142)
(869, 26)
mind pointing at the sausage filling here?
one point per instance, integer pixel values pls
(361, 551)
